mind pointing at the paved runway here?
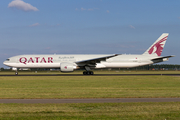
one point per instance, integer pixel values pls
(91, 75)
(100, 100)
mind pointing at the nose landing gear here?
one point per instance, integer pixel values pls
(16, 73)
(16, 70)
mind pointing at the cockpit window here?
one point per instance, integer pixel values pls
(7, 59)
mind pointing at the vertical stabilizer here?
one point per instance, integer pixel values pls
(157, 47)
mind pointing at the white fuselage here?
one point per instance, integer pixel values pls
(54, 61)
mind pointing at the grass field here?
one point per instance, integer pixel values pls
(22, 87)
(89, 86)
(110, 111)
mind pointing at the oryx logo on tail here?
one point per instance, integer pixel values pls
(158, 47)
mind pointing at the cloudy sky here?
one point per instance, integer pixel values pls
(87, 27)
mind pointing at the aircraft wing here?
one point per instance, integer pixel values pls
(94, 60)
(160, 58)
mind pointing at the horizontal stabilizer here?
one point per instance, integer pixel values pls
(159, 58)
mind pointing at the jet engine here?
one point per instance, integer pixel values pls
(67, 67)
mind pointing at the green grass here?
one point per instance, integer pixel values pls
(81, 111)
(23, 87)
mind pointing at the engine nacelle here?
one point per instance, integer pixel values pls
(67, 67)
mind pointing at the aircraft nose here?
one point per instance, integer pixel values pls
(5, 63)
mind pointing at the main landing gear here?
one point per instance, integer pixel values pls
(88, 73)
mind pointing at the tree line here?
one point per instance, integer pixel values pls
(158, 67)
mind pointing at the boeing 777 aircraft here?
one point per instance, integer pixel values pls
(71, 62)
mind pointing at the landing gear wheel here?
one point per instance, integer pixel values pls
(84, 73)
(91, 73)
(16, 73)
(88, 73)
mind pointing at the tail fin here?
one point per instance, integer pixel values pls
(157, 47)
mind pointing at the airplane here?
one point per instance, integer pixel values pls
(71, 62)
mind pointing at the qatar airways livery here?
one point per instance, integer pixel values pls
(71, 62)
